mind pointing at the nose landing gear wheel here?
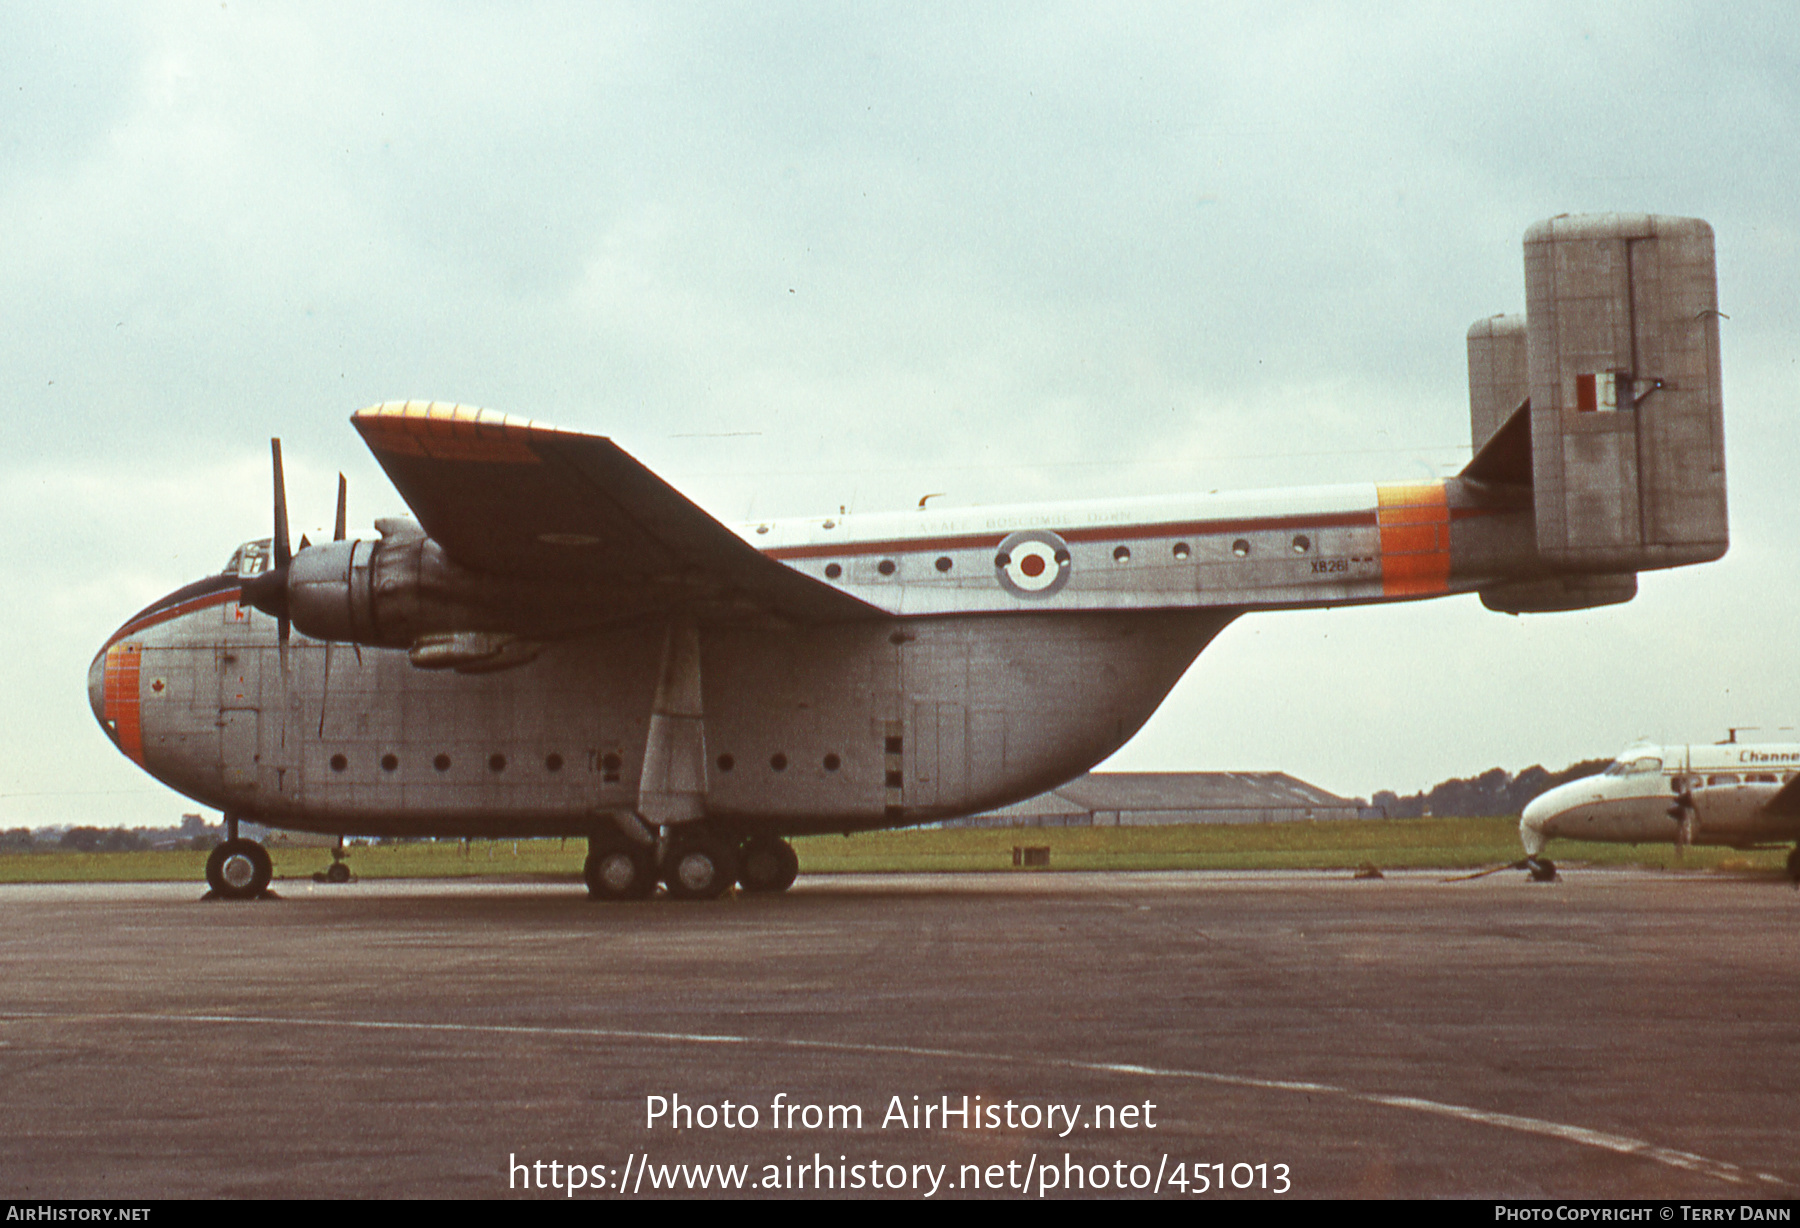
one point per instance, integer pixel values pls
(767, 864)
(337, 872)
(703, 869)
(620, 873)
(1543, 870)
(239, 870)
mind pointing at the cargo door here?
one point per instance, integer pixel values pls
(240, 670)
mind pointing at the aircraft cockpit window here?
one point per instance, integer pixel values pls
(1635, 767)
(250, 559)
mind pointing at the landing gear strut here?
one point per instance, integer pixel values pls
(1542, 869)
(239, 869)
(766, 863)
(338, 871)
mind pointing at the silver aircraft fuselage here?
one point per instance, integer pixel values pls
(987, 684)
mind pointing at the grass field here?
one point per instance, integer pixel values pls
(1390, 844)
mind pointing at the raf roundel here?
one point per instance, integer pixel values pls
(1034, 563)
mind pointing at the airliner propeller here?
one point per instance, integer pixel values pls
(1682, 811)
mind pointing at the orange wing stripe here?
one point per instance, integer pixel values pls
(448, 432)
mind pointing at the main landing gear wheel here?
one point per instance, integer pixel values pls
(239, 870)
(337, 872)
(1543, 870)
(767, 864)
(620, 873)
(1794, 865)
(700, 869)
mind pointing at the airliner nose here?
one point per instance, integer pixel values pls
(1536, 816)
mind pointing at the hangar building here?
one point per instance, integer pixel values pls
(1146, 799)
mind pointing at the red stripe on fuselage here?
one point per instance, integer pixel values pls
(1192, 528)
(202, 602)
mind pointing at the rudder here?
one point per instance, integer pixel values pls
(1627, 419)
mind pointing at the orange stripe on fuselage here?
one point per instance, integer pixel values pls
(119, 699)
(1414, 519)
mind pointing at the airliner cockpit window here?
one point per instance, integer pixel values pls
(1635, 767)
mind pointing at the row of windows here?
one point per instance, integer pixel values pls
(553, 762)
(1181, 551)
(778, 762)
(1676, 783)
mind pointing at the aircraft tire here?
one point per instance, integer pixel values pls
(337, 872)
(1793, 865)
(239, 870)
(620, 873)
(767, 864)
(701, 869)
(1543, 870)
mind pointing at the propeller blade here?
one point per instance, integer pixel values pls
(283, 555)
(337, 534)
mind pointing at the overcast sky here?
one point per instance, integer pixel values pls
(802, 256)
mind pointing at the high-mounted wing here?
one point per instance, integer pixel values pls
(1786, 801)
(512, 497)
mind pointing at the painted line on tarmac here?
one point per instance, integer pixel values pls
(1621, 1144)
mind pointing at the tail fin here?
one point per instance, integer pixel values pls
(1627, 421)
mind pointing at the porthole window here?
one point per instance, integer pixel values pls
(389, 762)
(833, 571)
(726, 763)
(496, 763)
(1241, 548)
(1122, 554)
(944, 563)
(1302, 543)
(832, 763)
(885, 567)
(778, 761)
(1181, 551)
(553, 762)
(339, 763)
(441, 763)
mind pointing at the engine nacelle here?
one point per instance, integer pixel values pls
(387, 593)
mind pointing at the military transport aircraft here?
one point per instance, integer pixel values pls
(562, 644)
(1738, 794)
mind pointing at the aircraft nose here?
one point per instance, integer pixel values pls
(97, 687)
(1536, 817)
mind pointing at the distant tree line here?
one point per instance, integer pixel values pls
(1494, 792)
(194, 833)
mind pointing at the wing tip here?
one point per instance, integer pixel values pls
(445, 430)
